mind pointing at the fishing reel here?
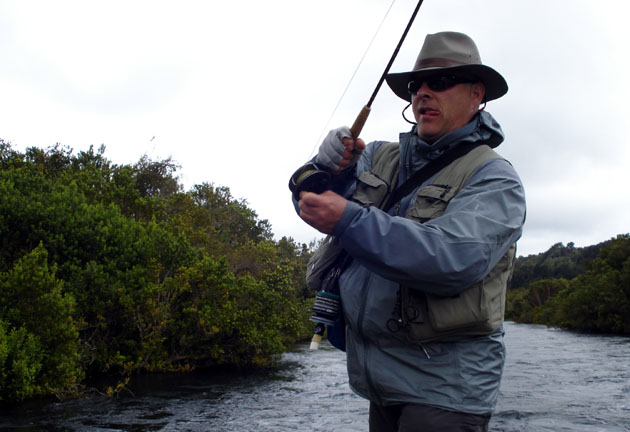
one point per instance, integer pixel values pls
(309, 178)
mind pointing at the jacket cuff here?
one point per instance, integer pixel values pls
(350, 212)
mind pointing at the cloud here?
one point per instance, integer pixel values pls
(239, 93)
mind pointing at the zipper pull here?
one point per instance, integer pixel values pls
(426, 353)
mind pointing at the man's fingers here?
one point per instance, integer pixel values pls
(308, 202)
(349, 145)
(307, 197)
(321, 211)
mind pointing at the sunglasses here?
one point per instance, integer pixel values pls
(437, 83)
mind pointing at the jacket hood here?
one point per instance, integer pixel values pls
(488, 130)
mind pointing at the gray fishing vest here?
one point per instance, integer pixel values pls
(478, 310)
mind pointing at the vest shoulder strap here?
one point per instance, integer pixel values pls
(458, 172)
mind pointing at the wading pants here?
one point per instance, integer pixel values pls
(422, 418)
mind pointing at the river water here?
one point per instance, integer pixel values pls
(554, 381)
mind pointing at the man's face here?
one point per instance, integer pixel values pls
(439, 112)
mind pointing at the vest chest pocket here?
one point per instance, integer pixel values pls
(371, 190)
(431, 202)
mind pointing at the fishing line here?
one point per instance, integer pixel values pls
(325, 130)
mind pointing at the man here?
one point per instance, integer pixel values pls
(424, 294)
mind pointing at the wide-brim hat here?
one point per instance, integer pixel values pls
(449, 52)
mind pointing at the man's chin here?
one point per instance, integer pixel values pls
(427, 137)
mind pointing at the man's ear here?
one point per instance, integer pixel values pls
(477, 91)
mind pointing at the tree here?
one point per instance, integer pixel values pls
(597, 300)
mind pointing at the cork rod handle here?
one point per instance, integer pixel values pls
(359, 122)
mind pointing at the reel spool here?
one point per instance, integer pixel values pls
(310, 178)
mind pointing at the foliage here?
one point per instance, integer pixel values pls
(39, 330)
(597, 300)
(558, 262)
(20, 363)
(114, 269)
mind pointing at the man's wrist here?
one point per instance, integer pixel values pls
(347, 216)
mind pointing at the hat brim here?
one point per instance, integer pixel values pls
(495, 84)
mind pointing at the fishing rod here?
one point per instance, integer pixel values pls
(312, 178)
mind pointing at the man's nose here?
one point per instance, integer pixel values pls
(423, 91)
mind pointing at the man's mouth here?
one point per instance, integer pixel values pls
(429, 112)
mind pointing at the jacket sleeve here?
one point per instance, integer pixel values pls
(448, 254)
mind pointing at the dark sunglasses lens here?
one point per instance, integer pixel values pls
(441, 83)
(435, 83)
(413, 87)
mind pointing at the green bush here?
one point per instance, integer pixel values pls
(114, 269)
(21, 356)
(40, 328)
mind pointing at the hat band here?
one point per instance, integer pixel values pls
(437, 62)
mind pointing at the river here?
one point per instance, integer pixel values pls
(554, 381)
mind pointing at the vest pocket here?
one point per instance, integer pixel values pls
(429, 317)
(478, 310)
(469, 308)
(431, 202)
(371, 190)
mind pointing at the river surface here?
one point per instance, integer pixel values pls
(554, 381)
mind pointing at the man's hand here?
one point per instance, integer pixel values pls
(338, 150)
(322, 211)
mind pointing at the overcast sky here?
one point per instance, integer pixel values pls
(240, 92)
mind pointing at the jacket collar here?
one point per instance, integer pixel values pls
(415, 152)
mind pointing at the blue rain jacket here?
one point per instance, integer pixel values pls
(444, 256)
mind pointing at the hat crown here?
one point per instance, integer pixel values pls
(447, 49)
